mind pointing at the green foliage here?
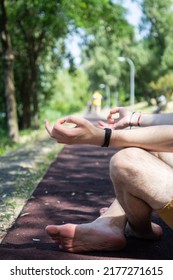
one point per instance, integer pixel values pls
(39, 26)
(112, 37)
(5, 143)
(157, 44)
(164, 86)
(70, 92)
(158, 18)
(39, 30)
(167, 58)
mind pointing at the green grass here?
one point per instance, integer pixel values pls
(12, 204)
(27, 135)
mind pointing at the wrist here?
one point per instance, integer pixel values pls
(107, 137)
(135, 119)
(98, 137)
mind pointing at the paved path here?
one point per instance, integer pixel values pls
(20, 163)
(73, 189)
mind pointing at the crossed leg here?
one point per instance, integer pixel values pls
(143, 183)
(139, 190)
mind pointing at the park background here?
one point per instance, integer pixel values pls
(55, 54)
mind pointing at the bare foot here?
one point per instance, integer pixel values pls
(155, 232)
(96, 236)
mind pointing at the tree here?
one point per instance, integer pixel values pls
(71, 91)
(113, 36)
(158, 17)
(38, 26)
(40, 29)
(9, 89)
(157, 20)
(163, 86)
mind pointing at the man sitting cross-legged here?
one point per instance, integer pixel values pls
(141, 173)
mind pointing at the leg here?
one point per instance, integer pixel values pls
(105, 233)
(140, 189)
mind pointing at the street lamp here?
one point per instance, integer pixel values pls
(132, 78)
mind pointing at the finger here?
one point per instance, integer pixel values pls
(110, 119)
(48, 127)
(102, 124)
(60, 121)
(76, 120)
(113, 111)
(59, 128)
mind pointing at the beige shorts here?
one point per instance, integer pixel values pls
(166, 214)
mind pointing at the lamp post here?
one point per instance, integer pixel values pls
(132, 78)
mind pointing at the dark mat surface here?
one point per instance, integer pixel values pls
(73, 190)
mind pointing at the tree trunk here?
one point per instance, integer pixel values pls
(33, 88)
(36, 123)
(8, 59)
(25, 97)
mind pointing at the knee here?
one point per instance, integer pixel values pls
(124, 163)
(118, 164)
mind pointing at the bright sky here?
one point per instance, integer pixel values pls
(134, 14)
(134, 11)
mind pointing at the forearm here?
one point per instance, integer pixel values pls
(158, 138)
(143, 120)
(153, 138)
